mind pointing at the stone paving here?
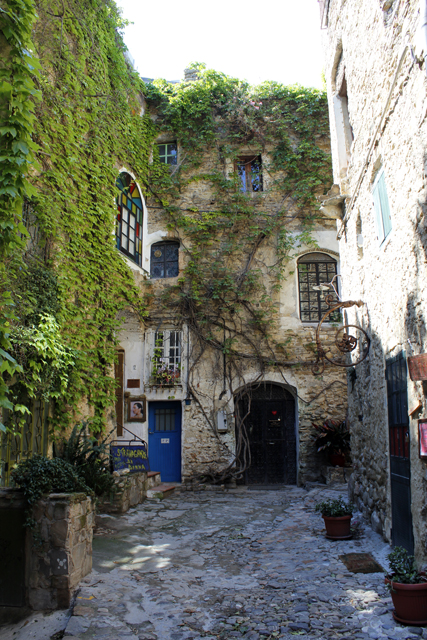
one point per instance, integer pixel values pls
(251, 564)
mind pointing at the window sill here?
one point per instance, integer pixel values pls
(133, 265)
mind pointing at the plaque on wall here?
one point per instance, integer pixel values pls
(422, 437)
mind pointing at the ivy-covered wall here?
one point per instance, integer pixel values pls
(73, 115)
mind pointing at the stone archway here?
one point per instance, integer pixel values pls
(271, 433)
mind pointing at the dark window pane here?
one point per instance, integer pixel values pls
(165, 260)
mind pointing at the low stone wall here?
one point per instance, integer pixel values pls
(65, 526)
(129, 490)
(58, 552)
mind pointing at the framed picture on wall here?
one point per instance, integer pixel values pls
(422, 437)
(137, 409)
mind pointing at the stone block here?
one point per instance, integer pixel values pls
(59, 562)
(78, 554)
(59, 532)
(40, 599)
(61, 582)
(60, 510)
(63, 598)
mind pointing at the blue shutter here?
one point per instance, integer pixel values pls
(381, 207)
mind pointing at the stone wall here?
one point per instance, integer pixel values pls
(58, 552)
(205, 449)
(377, 46)
(129, 490)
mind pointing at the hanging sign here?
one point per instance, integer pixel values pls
(130, 456)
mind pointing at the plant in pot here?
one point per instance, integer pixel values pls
(337, 517)
(333, 436)
(408, 588)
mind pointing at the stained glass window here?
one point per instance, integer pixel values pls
(168, 152)
(129, 218)
(164, 260)
(315, 269)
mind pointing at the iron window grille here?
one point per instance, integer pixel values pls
(249, 170)
(315, 269)
(166, 360)
(164, 260)
(168, 153)
(129, 219)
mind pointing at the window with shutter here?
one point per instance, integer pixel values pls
(381, 207)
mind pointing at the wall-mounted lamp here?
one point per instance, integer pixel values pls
(187, 401)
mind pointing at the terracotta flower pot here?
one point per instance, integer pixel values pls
(410, 602)
(337, 528)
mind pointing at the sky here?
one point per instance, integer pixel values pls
(254, 40)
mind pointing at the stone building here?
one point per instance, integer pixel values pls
(200, 288)
(376, 83)
(207, 393)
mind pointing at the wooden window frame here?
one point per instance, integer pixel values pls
(167, 157)
(251, 179)
(164, 262)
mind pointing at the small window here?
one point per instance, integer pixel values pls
(249, 170)
(168, 152)
(315, 269)
(166, 360)
(381, 207)
(164, 260)
(129, 219)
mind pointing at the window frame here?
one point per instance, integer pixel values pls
(163, 157)
(166, 370)
(164, 243)
(247, 185)
(129, 200)
(321, 307)
(381, 206)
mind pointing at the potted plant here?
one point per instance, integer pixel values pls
(333, 436)
(337, 517)
(408, 588)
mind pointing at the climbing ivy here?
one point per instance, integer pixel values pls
(73, 120)
(237, 244)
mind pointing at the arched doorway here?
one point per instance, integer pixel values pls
(268, 430)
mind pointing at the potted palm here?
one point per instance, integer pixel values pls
(337, 517)
(333, 436)
(408, 588)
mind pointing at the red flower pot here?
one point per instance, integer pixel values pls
(410, 602)
(337, 528)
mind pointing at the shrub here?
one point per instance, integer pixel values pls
(332, 436)
(402, 567)
(335, 508)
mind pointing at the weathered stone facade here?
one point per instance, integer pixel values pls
(376, 81)
(206, 445)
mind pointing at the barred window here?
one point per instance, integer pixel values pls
(314, 269)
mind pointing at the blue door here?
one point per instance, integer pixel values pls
(164, 439)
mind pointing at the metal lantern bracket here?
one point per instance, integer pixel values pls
(344, 341)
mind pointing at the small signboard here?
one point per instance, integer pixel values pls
(422, 436)
(130, 456)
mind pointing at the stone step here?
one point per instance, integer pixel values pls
(153, 478)
(161, 491)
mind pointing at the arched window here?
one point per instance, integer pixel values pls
(164, 260)
(314, 269)
(129, 218)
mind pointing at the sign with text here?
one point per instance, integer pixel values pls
(130, 456)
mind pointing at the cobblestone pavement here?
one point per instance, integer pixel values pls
(242, 564)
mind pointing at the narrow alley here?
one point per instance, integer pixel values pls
(246, 563)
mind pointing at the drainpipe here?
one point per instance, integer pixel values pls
(423, 30)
